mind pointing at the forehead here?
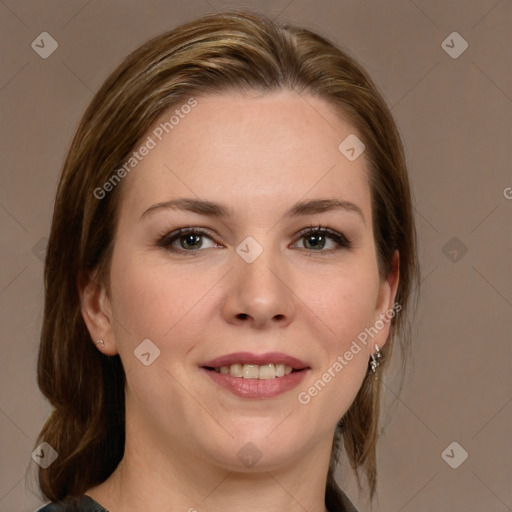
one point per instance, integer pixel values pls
(248, 149)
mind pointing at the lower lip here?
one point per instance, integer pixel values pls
(257, 388)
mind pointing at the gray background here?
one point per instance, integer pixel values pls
(455, 115)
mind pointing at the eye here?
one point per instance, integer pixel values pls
(316, 238)
(190, 240)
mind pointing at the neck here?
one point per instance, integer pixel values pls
(153, 477)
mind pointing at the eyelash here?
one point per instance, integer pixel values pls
(165, 239)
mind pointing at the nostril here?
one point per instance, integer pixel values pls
(243, 316)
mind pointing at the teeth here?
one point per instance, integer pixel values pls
(235, 370)
(267, 371)
(254, 371)
(279, 370)
(250, 371)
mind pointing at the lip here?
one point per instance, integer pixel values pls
(257, 388)
(259, 359)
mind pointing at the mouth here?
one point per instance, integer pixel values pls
(247, 365)
(254, 371)
(256, 375)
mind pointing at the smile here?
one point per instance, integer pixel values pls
(250, 375)
(254, 371)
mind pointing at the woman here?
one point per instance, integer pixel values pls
(230, 262)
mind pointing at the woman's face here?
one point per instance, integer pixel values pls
(252, 292)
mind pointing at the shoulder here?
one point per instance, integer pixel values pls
(73, 504)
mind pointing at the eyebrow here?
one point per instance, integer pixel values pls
(213, 209)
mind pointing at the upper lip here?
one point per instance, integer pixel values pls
(258, 359)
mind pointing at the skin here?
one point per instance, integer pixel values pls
(257, 154)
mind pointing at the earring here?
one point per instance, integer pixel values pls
(375, 359)
(101, 343)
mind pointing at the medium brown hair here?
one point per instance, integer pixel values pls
(232, 51)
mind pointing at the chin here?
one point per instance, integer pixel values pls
(263, 448)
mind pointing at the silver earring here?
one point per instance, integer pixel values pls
(101, 343)
(375, 359)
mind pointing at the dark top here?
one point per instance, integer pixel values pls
(335, 501)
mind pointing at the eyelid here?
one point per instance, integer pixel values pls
(166, 238)
(340, 238)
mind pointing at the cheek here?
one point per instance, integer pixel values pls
(346, 304)
(153, 301)
(347, 309)
(156, 301)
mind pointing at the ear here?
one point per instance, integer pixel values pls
(97, 313)
(385, 308)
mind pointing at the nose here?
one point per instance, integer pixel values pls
(260, 294)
